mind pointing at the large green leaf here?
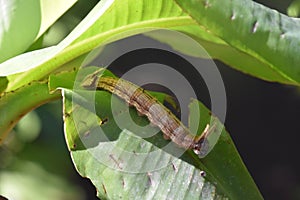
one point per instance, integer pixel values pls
(37, 65)
(15, 36)
(263, 34)
(16, 15)
(266, 51)
(107, 159)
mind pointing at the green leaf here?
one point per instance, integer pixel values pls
(224, 162)
(265, 36)
(48, 59)
(267, 56)
(51, 11)
(109, 155)
(15, 15)
(15, 36)
(3, 84)
(110, 174)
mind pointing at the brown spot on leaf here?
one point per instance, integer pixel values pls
(149, 178)
(104, 189)
(104, 121)
(206, 4)
(174, 167)
(123, 183)
(116, 161)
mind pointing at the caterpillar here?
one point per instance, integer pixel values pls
(156, 112)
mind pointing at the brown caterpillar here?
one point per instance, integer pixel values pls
(157, 114)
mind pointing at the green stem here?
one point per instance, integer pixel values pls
(15, 104)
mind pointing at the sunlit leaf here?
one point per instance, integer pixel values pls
(16, 15)
(244, 43)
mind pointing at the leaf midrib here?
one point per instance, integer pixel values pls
(86, 45)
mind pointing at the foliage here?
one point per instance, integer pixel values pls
(245, 35)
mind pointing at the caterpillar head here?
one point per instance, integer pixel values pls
(201, 147)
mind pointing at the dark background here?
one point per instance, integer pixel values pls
(262, 118)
